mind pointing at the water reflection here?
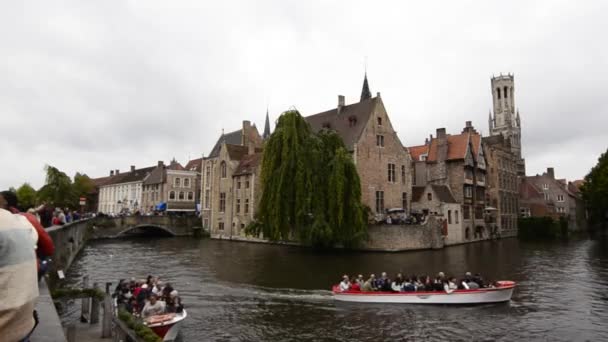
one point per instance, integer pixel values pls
(252, 292)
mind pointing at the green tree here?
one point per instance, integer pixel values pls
(26, 195)
(57, 190)
(311, 189)
(82, 187)
(595, 192)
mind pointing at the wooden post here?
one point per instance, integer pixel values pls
(86, 302)
(71, 333)
(106, 325)
(95, 307)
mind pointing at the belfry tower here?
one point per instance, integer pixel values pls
(506, 119)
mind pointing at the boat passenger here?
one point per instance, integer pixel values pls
(344, 284)
(384, 283)
(360, 280)
(368, 286)
(450, 286)
(408, 286)
(479, 280)
(416, 281)
(132, 306)
(427, 284)
(144, 293)
(153, 307)
(166, 291)
(174, 303)
(468, 283)
(397, 283)
(439, 282)
(354, 285)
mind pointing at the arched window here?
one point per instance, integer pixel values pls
(181, 196)
(186, 182)
(177, 182)
(498, 91)
(190, 196)
(223, 169)
(172, 195)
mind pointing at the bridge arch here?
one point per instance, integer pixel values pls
(147, 228)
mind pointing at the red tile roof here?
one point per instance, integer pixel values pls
(417, 151)
(457, 146)
(248, 164)
(194, 165)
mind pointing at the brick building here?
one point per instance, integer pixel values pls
(502, 183)
(172, 186)
(560, 194)
(458, 162)
(438, 200)
(381, 161)
(225, 179)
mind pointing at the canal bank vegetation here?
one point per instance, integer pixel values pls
(311, 188)
(542, 228)
(136, 324)
(595, 193)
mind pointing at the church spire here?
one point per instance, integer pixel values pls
(266, 133)
(490, 121)
(365, 93)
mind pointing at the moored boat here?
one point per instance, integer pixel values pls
(166, 326)
(502, 292)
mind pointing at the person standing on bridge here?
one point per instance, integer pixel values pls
(17, 276)
(45, 246)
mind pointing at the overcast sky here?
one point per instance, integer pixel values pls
(91, 86)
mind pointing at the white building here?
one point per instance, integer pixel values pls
(123, 191)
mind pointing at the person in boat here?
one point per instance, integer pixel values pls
(408, 286)
(397, 284)
(384, 283)
(344, 284)
(479, 280)
(450, 286)
(132, 306)
(439, 282)
(426, 284)
(369, 284)
(468, 283)
(417, 283)
(166, 291)
(354, 285)
(153, 307)
(174, 303)
(360, 280)
(144, 292)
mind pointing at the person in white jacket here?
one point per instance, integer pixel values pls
(450, 285)
(344, 284)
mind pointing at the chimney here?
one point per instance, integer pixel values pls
(160, 163)
(378, 94)
(245, 132)
(111, 173)
(132, 168)
(116, 171)
(468, 127)
(551, 172)
(442, 145)
(340, 101)
(468, 124)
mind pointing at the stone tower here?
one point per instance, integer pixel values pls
(506, 119)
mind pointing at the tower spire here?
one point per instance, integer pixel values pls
(490, 120)
(266, 134)
(365, 93)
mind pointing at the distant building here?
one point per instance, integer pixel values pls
(457, 162)
(502, 183)
(122, 191)
(382, 163)
(561, 195)
(506, 120)
(171, 188)
(228, 182)
(438, 200)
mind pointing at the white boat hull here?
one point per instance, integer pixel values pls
(502, 293)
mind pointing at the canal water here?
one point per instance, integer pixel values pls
(252, 292)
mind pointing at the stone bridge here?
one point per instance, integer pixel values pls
(105, 227)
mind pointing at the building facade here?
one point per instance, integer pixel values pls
(170, 188)
(439, 201)
(223, 202)
(384, 167)
(122, 192)
(505, 120)
(459, 163)
(502, 183)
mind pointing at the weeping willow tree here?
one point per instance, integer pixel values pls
(311, 189)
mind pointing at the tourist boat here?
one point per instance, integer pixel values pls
(501, 293)
(166, 326)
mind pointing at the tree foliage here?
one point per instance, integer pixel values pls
(57, 190)
(82, 187)
(311, 189)
(26, 196)
(595, 192)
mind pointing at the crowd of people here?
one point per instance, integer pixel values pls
(413, 283)
(147, 297)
